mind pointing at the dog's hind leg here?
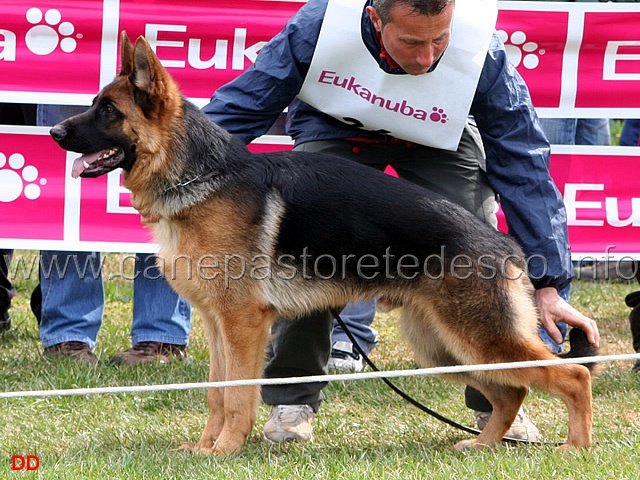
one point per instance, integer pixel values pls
(506, 401)
(572, 384)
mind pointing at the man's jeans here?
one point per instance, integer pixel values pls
(73, 301)
(577, 131)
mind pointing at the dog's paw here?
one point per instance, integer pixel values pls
(471, 444)
(195, 449)
(187, 447)
(567, 448)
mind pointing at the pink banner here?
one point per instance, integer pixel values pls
(579, 60)
(600, 191)
(203, 43)
(64, 51)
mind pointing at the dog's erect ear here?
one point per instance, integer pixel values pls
(148, 73)
(126, 54)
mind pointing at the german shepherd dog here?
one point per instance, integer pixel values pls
(286, 233)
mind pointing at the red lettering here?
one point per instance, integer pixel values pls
(31, 462)
(406, 109)
(14, 462)
(326, 77)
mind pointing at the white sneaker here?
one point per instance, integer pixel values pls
(344, 358)
(288, 423)
(521, 429)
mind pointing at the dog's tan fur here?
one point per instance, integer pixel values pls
(443, 320)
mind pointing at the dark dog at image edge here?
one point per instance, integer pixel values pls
(254, 237)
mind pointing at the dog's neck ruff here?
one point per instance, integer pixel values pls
(197, 165)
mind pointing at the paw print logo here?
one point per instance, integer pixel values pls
(519, 50)
(44, 39)
(438, 115)
(16, 178)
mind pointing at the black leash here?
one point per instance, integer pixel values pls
(410, 399)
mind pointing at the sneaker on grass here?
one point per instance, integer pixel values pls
(344, 358)
(289, 423)
(521, 429)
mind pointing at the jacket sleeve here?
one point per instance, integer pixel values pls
(518, 169)
(250, 104)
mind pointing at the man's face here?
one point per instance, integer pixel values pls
(414, 41)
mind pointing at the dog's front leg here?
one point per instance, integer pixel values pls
(215, 396)
(244, 332)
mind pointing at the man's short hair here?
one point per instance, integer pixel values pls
(419, 7)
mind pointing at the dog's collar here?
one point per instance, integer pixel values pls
(201, 178)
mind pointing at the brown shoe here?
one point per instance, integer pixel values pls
(151, 352)
(79, 351)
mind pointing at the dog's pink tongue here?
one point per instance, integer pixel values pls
(79, 163)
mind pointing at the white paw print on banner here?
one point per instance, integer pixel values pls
(44, 39)
(521, 51)
(16, 178)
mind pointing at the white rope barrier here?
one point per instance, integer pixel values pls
(318, 378)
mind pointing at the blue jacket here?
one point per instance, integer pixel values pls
(516, 148)
(630, 135)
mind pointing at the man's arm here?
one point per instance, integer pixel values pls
(518, 169)
(250, 104)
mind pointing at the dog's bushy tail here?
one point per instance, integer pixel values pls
(580, 347)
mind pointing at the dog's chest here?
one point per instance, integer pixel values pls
(166, 234)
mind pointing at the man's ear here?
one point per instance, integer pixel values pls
(375, 18)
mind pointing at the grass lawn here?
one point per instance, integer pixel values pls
(363, 430)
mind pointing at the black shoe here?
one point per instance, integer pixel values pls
(634, 323)
(633, 300)
(5, 322)
(36, 303)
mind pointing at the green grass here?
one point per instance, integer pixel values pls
(363, 430)
(615, 126)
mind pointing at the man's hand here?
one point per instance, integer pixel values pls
(554, 309)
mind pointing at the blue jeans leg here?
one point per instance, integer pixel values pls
(560, 131)
(593, 131)
(357, 317)
(159, 313)
(72, 297)
(577, 131)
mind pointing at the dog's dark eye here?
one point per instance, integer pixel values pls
(109, 108)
